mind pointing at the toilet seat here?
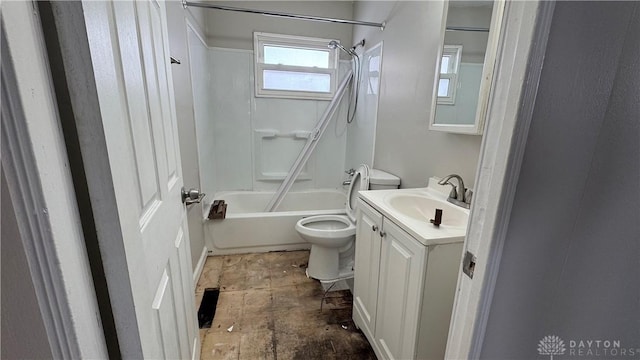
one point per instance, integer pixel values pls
(359, 182)
(327, 230)
(312, 226)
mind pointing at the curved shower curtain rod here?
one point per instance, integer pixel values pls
(186, 4)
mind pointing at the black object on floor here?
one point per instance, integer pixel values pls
(207, 309)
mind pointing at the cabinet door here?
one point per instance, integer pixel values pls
(402, 265)
(367, 263)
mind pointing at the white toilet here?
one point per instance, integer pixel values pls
(332, 236)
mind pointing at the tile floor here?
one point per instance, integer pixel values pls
(275, 311)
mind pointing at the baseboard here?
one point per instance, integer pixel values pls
(198, 270)
(196, 346)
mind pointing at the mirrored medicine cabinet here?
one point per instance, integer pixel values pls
(465, 66)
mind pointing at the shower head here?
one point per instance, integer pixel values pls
(334, 44)
(354, 47)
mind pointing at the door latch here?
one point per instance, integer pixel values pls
(192, 196)
(468, 264)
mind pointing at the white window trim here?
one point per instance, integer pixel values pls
(452, 75)
(260, 39)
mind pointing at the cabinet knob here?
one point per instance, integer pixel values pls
(383, 234)
(374, 228)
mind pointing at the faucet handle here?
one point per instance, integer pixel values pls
(468, 194)
(454, 191)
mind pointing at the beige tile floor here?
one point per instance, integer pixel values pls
(275, 311)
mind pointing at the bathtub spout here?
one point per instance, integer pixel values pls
(346, 182)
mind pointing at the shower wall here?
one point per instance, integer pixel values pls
(249, 143)
(256, 140)
(362, 131)
(200, 77)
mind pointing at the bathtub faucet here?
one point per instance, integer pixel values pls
(459, 195)
(350, 172)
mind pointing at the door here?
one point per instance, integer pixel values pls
(402, 265)
(129, 53)
(367, 264)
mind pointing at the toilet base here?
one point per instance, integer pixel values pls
(330, 264)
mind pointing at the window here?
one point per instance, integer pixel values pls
(449, 66)
(296, 67)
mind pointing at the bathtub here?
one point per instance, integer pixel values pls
(247, 228)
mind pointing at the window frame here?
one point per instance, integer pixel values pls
(291, 41)
(455, 52)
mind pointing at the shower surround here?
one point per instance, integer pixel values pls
(247, 144)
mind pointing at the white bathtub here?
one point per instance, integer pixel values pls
(247, 228)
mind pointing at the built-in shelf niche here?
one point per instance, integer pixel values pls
(275, 153)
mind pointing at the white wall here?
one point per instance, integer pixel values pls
(570, 261)
(404, 146)
(235, 30)
(177, 18)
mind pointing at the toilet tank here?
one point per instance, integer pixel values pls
(381, 180)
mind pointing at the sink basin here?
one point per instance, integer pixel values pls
(423, 208)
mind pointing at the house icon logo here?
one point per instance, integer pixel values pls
(551, 345)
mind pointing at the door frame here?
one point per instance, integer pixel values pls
(37, 169)
(70, 333)
(519, 63)
(56, 88)
(86, 126)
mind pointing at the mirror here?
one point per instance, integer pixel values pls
(465, 65)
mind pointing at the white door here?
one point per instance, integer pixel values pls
(367, 264)
(402, 266)
(129, 51)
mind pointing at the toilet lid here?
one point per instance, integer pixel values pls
(359, 182)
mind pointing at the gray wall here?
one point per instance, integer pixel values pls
(235, 30)
(177, 28)
(404, 144)
(572, 252)
(23, 332)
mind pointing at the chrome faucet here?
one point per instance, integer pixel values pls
(351, 172)
(459, 195)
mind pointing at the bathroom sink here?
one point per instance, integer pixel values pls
(423, 208)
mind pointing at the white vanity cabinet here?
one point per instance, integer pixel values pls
(367, 265)
(403, 289)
